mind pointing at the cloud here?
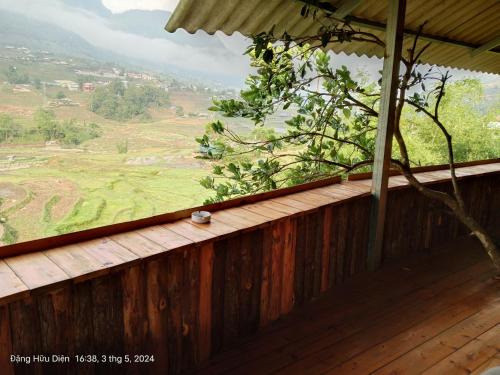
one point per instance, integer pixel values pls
(118, 6)
(219, 62)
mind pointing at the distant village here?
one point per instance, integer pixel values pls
(88, 75)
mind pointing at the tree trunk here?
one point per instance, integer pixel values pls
(459, 211)
(477, 230)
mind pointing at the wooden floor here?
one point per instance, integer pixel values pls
(432, 315)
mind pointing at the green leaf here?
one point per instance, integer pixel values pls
(347, 112)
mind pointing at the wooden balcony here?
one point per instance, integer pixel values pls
(277, 286)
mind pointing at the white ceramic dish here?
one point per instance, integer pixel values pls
(201, 217)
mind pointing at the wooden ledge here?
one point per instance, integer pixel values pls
(30, 273)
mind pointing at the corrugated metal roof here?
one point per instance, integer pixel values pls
(471, 23)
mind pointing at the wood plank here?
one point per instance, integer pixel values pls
(135, 317)
(289, 210)
(392, 349)
(55, 314)
(5, 342)
(444, 344)
(340, 219)
(352, 189)
(216, 227)
(11, 285)
(36, 270)
(276, 279)
(471, 356)
(337, 195)
(25, 333)
(218, 294)
(239, 219)
(191, 232)
(266, 211)
(137, 244)
(190, 297)
(232, 291)
(318, 200)
(354, 186)
(175, 331)
(290, 201)
(156, 314)
(265, 286)
(325, 249)
(107, 314)
(83, 326)
(317, 236)
(250, 281)
(164, 237)
(205, 303)
(255, 218)
(287, 292)
(300, 251)
(76, 261)
(109, 253)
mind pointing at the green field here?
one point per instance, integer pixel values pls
(48, 189)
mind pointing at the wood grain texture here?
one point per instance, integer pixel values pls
(135, 317)
(156, 314)
(36, 270)
(287, 290)
(137, 244)
(164, 237)
(5, 342)
(207, 256)
(11, 285)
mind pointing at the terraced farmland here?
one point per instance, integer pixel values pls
(47, 190)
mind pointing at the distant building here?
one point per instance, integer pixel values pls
(134, 75)
(88, 87)
(70, 85)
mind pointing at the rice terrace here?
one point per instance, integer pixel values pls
(133, 169)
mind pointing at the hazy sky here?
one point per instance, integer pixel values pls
(117, 6)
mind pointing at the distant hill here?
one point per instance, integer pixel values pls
(25, 26)
(24, 31)
(145, 23)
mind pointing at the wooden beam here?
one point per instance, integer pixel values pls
(486, 47)
(346, 7)
(385, 129)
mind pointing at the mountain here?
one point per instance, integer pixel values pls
(149, 24)
(24, 31)
(85, 28)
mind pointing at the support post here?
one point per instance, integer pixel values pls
(385, 129)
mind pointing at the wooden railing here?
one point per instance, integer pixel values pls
(184, 300)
